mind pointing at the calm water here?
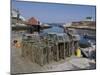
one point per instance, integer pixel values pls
(54, 29)
(58, 29)
(81, 32)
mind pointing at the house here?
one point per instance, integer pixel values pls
(17, 18)
(34, 25)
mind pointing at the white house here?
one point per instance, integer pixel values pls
(17, 18)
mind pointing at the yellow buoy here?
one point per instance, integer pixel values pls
(78, 52)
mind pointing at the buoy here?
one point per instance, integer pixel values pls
(17, 45)
(78, 52)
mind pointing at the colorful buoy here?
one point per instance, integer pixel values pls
(78, 52)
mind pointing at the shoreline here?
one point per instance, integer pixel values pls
(82, 27)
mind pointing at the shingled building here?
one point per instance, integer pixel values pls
(33, 24)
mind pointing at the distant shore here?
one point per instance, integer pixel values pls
(82, 27)
(26, 27)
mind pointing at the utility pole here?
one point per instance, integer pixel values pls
(18, 16)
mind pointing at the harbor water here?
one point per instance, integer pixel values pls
(59, 29)
(80, 32)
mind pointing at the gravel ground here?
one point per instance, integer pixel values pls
(24, 65)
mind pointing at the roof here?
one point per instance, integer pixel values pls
(32, 21)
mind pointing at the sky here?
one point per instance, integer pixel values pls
(53, 12)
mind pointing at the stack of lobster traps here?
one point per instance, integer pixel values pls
(43, 49)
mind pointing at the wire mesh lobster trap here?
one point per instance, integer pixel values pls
(48, 48)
